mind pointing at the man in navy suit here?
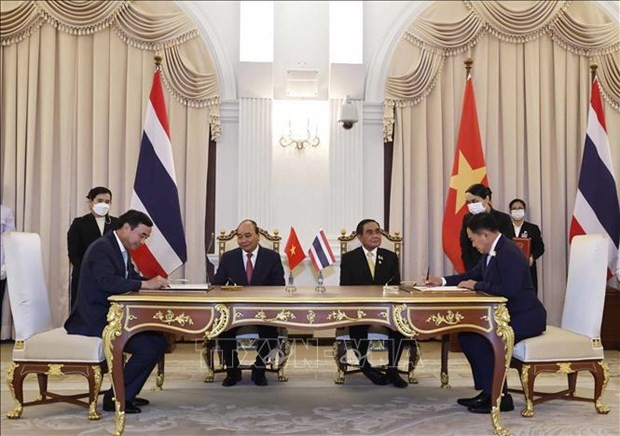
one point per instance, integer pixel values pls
(355, 269)
(502, 270)
(249, 265)
(107, 270)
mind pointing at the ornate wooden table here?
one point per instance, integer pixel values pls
(200, 314)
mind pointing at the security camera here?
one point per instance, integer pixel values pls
(347, 113)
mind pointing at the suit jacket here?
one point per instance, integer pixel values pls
(469, 254)
(354, 268)
(102, 275)
(83, 232)
(508, 275)
(268, 270)
(529, 230)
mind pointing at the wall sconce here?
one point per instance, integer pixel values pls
(300, 138)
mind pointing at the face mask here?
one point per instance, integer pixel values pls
(476, 208)
(101, 209)
(517, 214)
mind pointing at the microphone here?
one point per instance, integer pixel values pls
(389, 280)
(387, 289)
(228, 280)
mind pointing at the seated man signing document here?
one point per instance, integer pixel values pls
(502, 270)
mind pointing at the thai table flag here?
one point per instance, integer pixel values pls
(468, 168)
(294, 252)
(596, 207)
(155, 192)
(320, 252)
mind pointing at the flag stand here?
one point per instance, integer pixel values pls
(290, 287)
(320, 288)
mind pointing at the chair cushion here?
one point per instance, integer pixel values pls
(58, 346)
(557, 345)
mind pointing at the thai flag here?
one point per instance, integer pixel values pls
(155, 192)
(596, 208)
(320, 252)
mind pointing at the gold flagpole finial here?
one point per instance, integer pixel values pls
(468, 63)
(158, 60)
(593, 68)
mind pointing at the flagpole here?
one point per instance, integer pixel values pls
(593, 68)
(468, 63)
(290, 287)
(158, 60)
(320, 288)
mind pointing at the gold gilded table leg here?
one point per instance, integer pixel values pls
(114, 353)
(502, 344)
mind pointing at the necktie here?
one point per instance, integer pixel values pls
(249, 268)
(488, 259)
(126, 259)
(371, 264)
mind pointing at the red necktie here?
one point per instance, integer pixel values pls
(249, 268)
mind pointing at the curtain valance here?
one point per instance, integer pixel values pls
(160, 27)
(435, 35)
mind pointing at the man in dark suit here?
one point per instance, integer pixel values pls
(524, 229)
(107, 270)
(503, 271)
(249, 265)
(371, 265)
(87, 229)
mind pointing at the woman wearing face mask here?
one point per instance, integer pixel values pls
(86, 229)
(478, 199)
(523, 229)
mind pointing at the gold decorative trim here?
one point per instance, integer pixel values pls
(311, 316)
(170, 318)
(284, 315)
(119, 419)
(55, 369)
(17, 411)
(596, 343)
(93, 414)
(112, 331)
(339, 315)
(19, 346)
(401, 320)
(565, 368)
(505, 332)
(220, 323)
(450, 318)
(528, 412)
(598, 405)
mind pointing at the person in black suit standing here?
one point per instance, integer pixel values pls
(502, 270)
(524, 229)
(371, 265)
(478, 199)
(107, 270)
(249, 265)
(86, 229)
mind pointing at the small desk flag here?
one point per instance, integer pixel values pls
(155, 192)
(320, 252)
(294, 252)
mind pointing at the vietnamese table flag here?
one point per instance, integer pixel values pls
(294, 252)
(468, 168)
(155, 192)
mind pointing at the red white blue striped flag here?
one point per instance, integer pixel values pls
(320, 252)
(155, 192)
(596, 207)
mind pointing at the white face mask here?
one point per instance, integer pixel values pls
(476, 208)
(517, 214)
(101, 209)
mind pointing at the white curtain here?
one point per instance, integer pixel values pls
(531, 80)
(75, 81)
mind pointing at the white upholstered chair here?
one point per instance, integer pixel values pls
(377, 335)
(247, 336)
(576, 346)
(40, 348)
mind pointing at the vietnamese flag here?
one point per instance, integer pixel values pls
(468, 168)
(294, 252)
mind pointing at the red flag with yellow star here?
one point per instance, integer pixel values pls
(468, 168)
(294, 252)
